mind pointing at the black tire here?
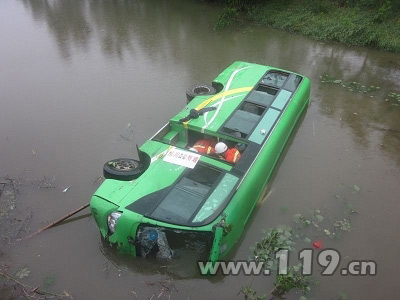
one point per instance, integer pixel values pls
(125, 169)
(199, 89)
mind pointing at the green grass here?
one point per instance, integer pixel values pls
(326, 21)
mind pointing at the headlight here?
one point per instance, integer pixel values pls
(112, 220)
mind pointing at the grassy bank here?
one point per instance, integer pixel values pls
(328, 20)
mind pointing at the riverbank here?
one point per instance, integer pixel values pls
(328, 21)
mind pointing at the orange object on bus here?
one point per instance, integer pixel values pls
(232, 155)
(205, 146)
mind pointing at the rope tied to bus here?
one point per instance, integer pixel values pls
(194, 114)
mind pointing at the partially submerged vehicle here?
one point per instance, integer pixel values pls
(145, 205)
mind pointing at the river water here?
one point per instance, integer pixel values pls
(82, 82)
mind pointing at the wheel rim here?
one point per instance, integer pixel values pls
(201, 90)
(124, 165)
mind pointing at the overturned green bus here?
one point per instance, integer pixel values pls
(172, 190)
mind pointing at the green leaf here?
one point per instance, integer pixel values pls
(283, 239)
(49, 280)
(343, 296)
(284, 210)
(319, 218)
(327, 232)
(343, 225)
(296, 218)
(316, 225)
(274, 266)
(287, 234)
(356, 188)
(307, 240)
(303, 298)
(24, 272)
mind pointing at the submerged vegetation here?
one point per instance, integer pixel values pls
(312, 230)
(354, 86)
(373, 23)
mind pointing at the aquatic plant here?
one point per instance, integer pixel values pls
(274, 240)
(319, 224)
(352, 86)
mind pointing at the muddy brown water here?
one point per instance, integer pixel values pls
(82, 82)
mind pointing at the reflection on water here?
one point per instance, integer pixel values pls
(157, 29)
(66, 20)
(104, 64)
(166, 31)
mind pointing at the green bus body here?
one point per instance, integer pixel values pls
(237, 193)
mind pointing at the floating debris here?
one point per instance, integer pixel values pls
(12, 221)
(8, 195)
(66, 189)
(317, 244)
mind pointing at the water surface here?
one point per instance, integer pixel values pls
(82, 82)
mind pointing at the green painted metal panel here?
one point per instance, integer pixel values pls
(237, 80)
(216, 247)
(217, 197)
(264, 126)
(281, 100)
(217, 163)
(170, 136)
